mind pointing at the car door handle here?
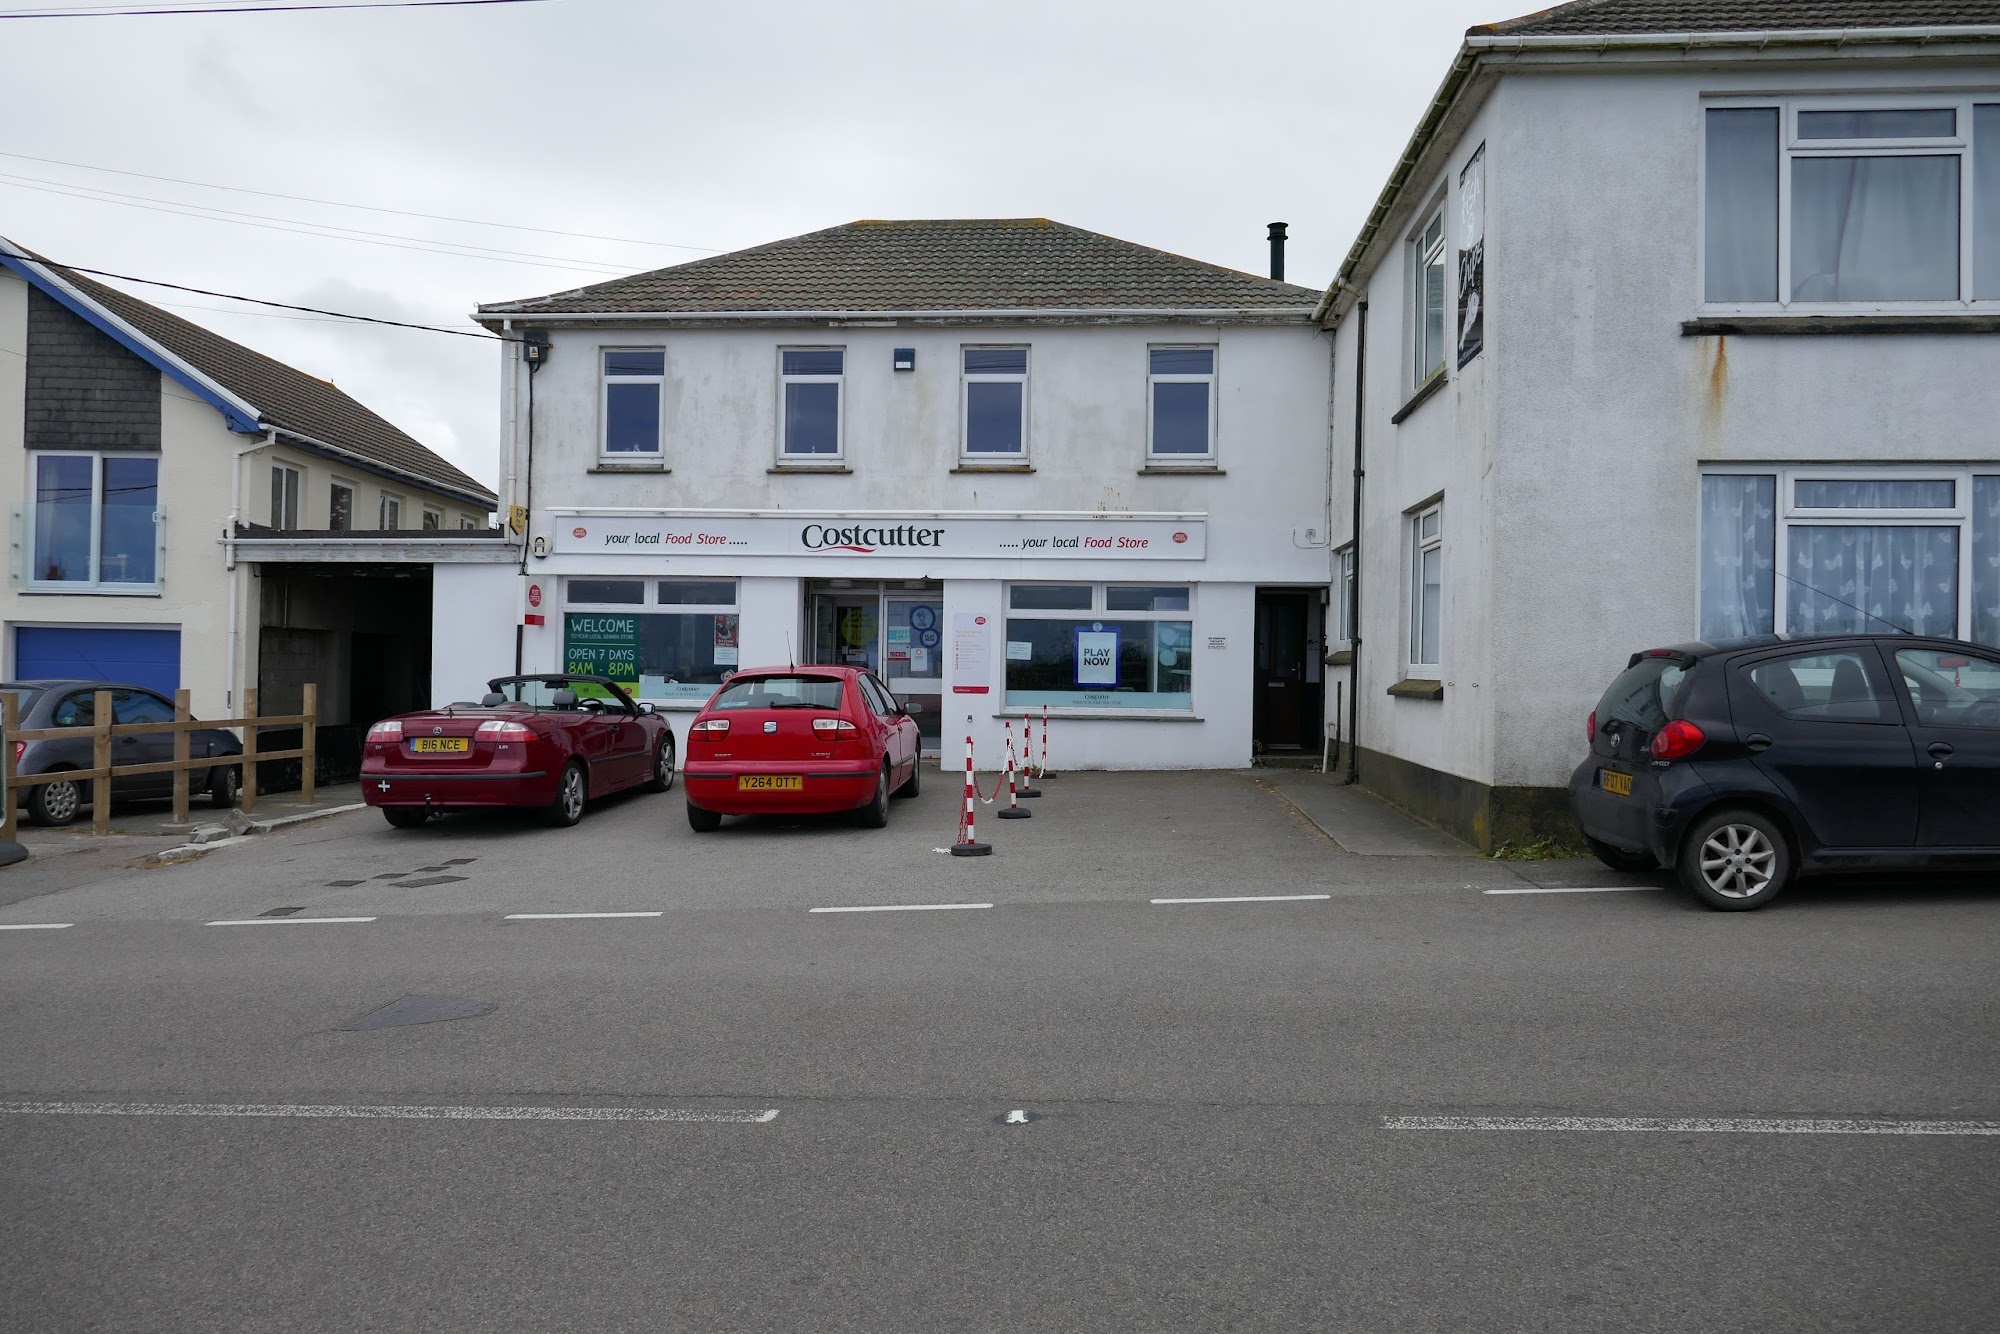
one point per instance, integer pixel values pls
(1758, 741)
(1940, 749)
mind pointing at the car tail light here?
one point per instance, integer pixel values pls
(1590, 727)
(20, 749)
(710, 727)
(389, 731)
(1677, 740)
(499, 731)
(839, 728)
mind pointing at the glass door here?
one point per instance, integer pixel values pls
(847, 630)
(913, 651)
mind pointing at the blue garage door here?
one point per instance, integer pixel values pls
(98, 653)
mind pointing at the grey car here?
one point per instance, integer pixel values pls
(56, 704)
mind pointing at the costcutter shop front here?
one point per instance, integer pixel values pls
(1112, 623)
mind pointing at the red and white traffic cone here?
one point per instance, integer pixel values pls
(966, 844)
(1014, 810)
(1027, 786)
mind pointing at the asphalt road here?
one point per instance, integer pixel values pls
(1213, 1091)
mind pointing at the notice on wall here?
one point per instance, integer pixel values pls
(1472, 257)
(1096, 658)
(971, 654)
(1218, 641)
(920, 661)
(725, 641)
(1020, 650)
(598, 645)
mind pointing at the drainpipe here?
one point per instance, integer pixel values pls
(229, 552)
(1354, 644)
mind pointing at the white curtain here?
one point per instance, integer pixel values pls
(1878, 494)
(1738, 551)
(1875, 228)
(1856, 579)
(1742, 188)
(1986, 560)
(1986, 203)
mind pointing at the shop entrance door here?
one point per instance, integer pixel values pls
(847, 630)
(914, 650)
(1284, 702)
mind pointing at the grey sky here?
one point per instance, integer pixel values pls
(1179, 125)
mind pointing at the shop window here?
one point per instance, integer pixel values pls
(812, 380)
(1100, 646)
(666, 640)
(94, 524)
(996, 401)
(635, 382)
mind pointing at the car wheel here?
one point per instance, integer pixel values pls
(909, 789)
(56, 804)
(876, 813)
(663, 766)
(1622, 859)
(222, 784)
(571, 794)
(406, 817)
(703, 822)
(1736, 861)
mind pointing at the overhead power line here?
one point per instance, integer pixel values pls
(109, 11)
(366, 208)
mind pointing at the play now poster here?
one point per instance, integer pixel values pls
(1097, 657)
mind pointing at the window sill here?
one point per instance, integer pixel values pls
(90, 591)
(1711, 325)
(608, 465)
(969, 466)
(809, 467)
(1416, 688)
(1106, 715)
(1340, 658)
(1424, 393)
(1182, 470)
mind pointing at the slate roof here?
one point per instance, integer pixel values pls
(930, 264)
(285, 397)
(1593, 17)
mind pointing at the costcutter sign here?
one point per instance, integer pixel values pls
(1053, 537)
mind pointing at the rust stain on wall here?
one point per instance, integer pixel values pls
(1718, 375)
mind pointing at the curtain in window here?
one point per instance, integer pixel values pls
(1818, 493)
(1986, 203)
(1875, 229)
(1739, 537)
(1742, 222)
(1986, 560)
(1855, 579)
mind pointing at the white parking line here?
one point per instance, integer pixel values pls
(290, 921)
(1250, 898)
(36, 926)
(391, 1113)
(564, 916)
(1724, 1125)
(1580, 889)
(905, 907)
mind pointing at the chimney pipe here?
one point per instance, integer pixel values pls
(1278, 252)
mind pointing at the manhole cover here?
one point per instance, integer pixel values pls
(418, 1010)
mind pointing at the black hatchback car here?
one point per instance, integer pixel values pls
(1740, 766)
(51, 704)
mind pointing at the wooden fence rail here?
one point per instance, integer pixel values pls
(102, 770)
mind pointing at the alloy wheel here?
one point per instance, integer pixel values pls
(62, 801)
(1737, 861)
(663, 769)
(572, 795)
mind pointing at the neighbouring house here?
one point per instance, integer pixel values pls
(1681, 322)
(190, 513)
(1007, 463)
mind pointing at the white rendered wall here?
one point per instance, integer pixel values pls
(474, 609)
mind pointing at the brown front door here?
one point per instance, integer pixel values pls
(1280, 714)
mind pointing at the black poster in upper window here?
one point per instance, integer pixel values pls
(1472, 257)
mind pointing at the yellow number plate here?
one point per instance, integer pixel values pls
(434, 745)
(1618, 785)
(769, 783)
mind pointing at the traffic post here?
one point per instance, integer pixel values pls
(1014, 810)
(967, 843)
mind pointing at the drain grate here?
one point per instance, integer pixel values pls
(429, 880)
(279, 912)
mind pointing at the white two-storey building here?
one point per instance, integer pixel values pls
(1010, 465)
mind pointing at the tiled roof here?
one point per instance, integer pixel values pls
(930, 264)
(287, 398)
(1593, 17)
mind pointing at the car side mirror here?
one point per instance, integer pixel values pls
(645, 707)
(908, 706)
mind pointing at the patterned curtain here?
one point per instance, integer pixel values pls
(1738, 555)
(1986, 550)
(1863, 580)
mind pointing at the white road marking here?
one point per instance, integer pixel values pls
(563, 916)
(1580, 889)
(905, 907)
(1017, 1117)
(389, 1113)
(289, 921)
(1725, 1125)
(36, 926)
(1250, 898)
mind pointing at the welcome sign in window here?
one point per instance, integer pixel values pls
(666, 640)
(1100, 646)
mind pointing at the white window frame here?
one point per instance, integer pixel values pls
(1099, 610)
(604, 381)
(1343, 596)
(966, 379)
(95, 585)
(1785, 514)
(382, 512)
(431, 520)
(1421, 257)
(1791, 147)
(1419, 545)
(291, 488)
(650, 604)
(839, 382)
(466, 523)
(353, 499)
(1212, 380)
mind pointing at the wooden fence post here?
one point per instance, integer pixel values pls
(182, 713)
(309, 740)
(250, 751)
(10, 722)
(100, 788)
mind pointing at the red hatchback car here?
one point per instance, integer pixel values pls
(800, 741)
(546, 743)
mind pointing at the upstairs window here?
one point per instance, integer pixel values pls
(286, 483)
(1426, 590)
(1427, 253)
(433, 519)
(635, 381)
(391, 514)
(1180, 404)
(1344, 612)
(811, 378)
(95, 522)
(340, 508)
(1879, 202)
(996, 401)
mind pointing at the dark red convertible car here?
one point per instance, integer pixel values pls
(547, 743)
